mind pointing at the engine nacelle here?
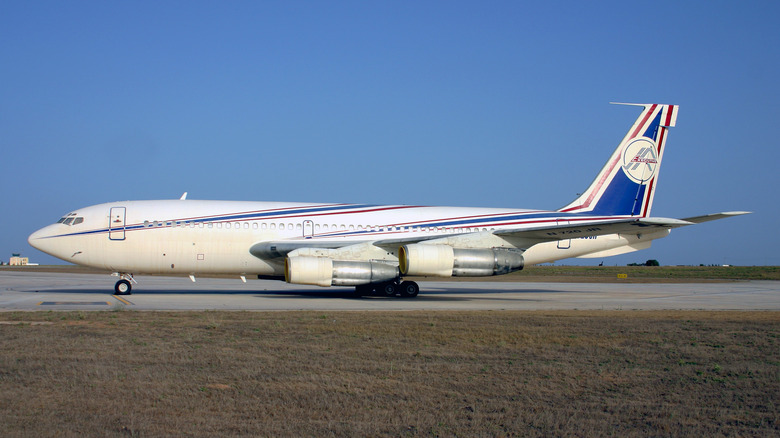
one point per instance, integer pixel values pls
(322, 271)
(446, 261)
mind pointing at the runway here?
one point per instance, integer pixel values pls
(55, 291)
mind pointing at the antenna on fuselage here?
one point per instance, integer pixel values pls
(183, 197)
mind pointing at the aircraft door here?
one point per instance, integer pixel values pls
(308, 229)
(116, 223)
(565, 243)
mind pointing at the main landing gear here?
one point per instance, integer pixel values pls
(406, 289)
(125, 285)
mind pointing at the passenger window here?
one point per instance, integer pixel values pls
(281, 226)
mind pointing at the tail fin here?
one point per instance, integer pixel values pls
(626, 184)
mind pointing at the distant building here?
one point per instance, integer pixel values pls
(18, 260)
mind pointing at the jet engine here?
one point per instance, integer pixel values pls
(322, 271)
(446, 261)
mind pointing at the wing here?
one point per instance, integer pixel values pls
(521, 238)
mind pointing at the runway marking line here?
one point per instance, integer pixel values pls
(123, 300)
(74, 303)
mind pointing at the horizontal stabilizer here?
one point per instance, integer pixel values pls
(715, 216)
(594, 228)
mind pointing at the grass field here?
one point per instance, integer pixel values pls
(571, 373)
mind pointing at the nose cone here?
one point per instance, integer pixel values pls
(43, 240)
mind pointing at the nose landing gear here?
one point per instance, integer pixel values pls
(125, 285)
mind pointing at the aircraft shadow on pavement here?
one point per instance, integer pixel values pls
(436, 295)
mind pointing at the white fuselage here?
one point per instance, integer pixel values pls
(215, 237)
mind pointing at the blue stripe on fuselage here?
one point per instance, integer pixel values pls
(433, 223)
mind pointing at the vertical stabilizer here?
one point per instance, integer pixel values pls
(626, 184)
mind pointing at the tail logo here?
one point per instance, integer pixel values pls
(640, 160)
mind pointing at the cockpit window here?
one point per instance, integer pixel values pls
(66, 217)
(71, 219)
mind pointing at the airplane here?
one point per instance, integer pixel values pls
(373, 248)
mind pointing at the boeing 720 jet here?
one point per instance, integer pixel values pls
(373, 248)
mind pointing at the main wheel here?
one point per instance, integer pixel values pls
(409, 289)
(388, 289)
(123, 287)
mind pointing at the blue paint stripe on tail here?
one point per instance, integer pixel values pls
(619, 197)
(652, 129)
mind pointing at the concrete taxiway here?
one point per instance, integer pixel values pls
(56, 291)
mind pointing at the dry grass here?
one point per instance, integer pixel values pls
(390, 373)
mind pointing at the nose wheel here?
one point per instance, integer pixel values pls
(125, 285)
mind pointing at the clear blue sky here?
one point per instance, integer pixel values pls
(499, 104)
